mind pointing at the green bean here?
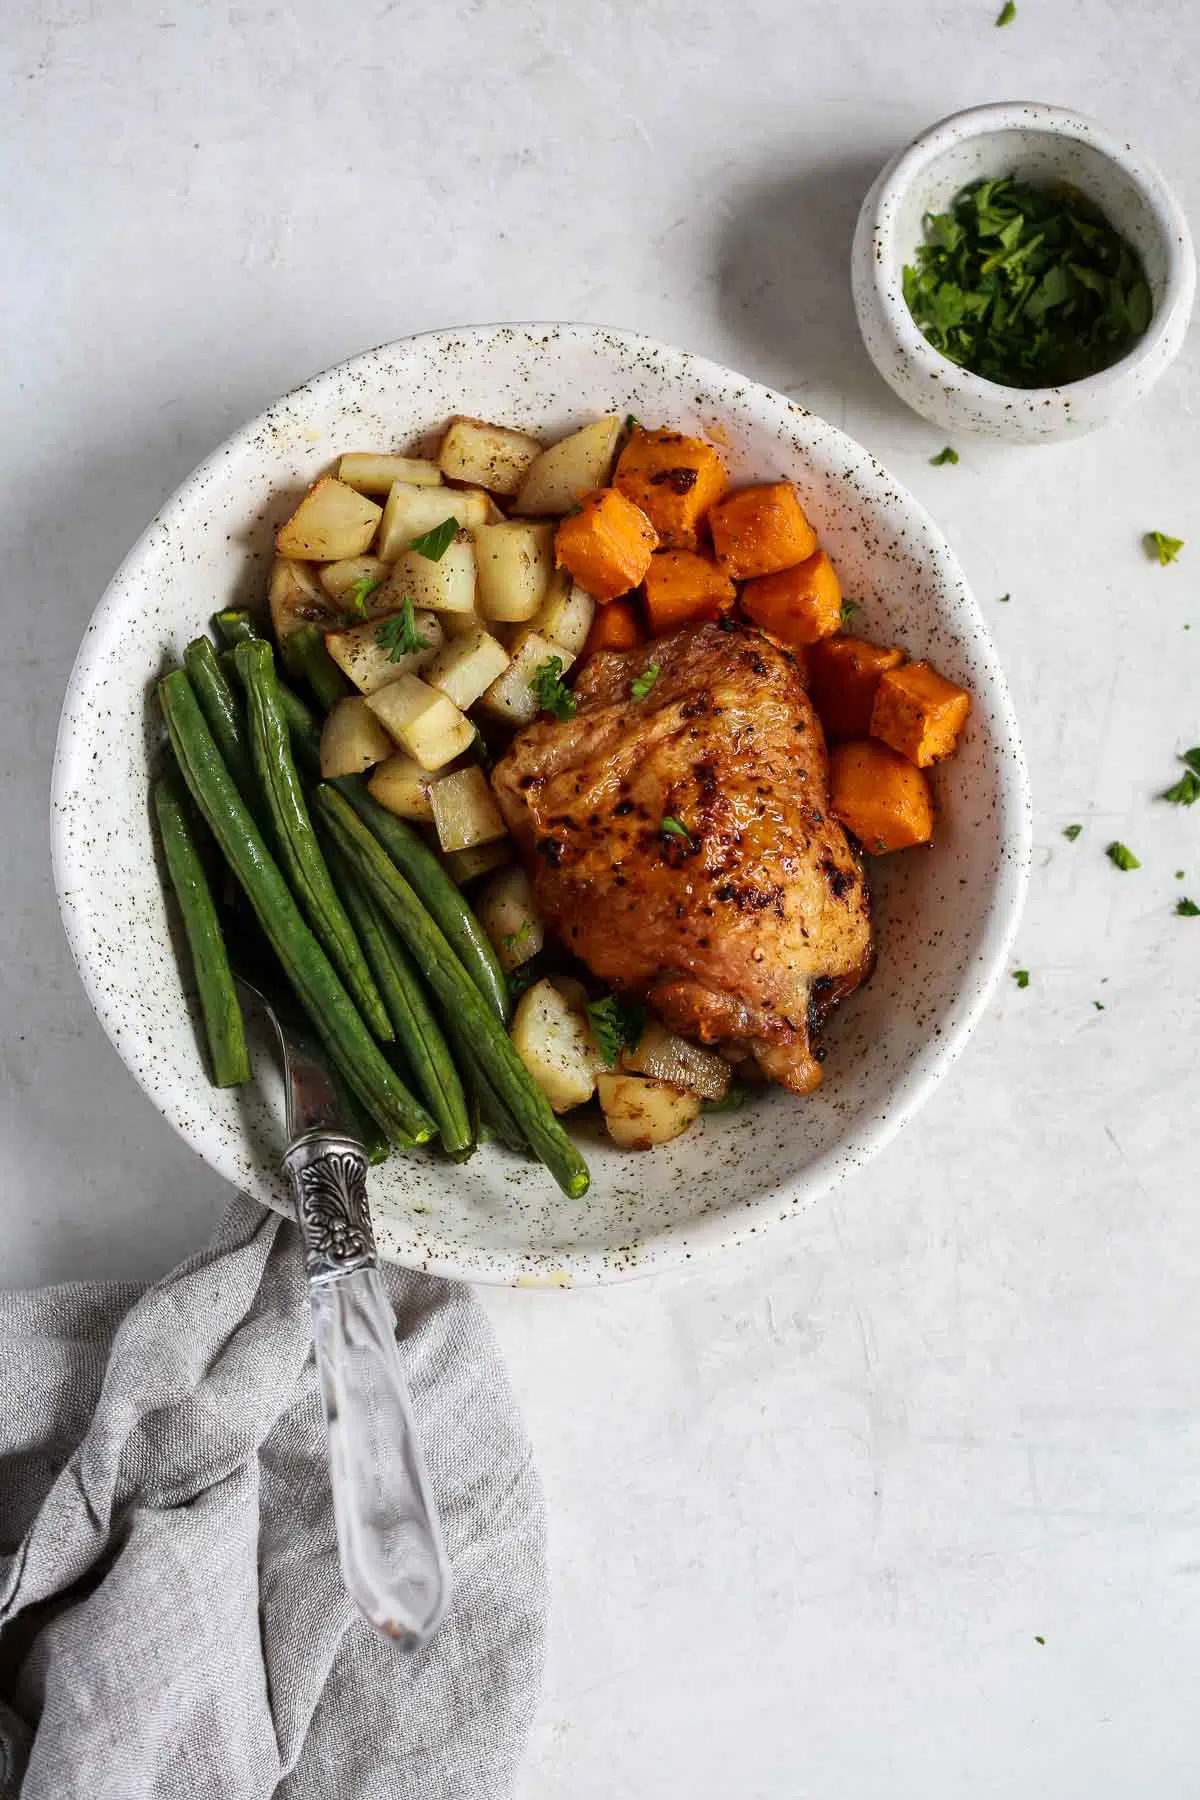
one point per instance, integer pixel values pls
(306, 650)
(234, 625)
(302, 725)
(218, 703)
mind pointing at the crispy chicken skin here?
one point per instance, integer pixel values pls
(743, 932)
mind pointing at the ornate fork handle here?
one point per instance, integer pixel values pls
(391, 1552)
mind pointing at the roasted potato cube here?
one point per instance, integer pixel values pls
(843, 674)
(445, 586)
(374, 473)
(410, 512)
(681, 587)
(487, 456)
(880, 796)
(674, 479)
(566, 613)
(640, 1113)
(468, 865)
(799, 605)
(554, 480)
(515, 560)
(403, 786)
(511, 699)
(761, 529)
(364, 575)
(331, 522)
(667, 1057)
(555, 1044)
(352, 739)
(422, 721)
(919, 713)
(295, 598)
(464, 810)
(505, 908)
(359, 652)
(464, 667)
(606, 544)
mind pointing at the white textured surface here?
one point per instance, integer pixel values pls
(810, 1510)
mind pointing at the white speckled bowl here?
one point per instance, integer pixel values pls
(946, 917)
(1041, 144)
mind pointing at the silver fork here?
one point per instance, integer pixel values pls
(389, 1541)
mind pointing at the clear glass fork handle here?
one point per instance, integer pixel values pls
(391, 1552)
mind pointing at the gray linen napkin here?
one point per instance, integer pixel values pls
(172, 1620)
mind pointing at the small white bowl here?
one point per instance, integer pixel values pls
(945, 917)
(1038, 144)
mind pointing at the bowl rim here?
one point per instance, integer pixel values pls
(1027, 116)
(683, 1241)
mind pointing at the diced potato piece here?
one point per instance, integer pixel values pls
(880, 796)
(463, 668)
(445, 586)
(375, 473)
(412, 511)
(554, 1043)
(515, 561)
(681, 588)
(352, 739)
(566, 613)
(761, 529)
(295, 598)
(640, 1113)
(674, 479)
(422, 721)
(919, 713)
(464, 810)
(843, 674)
(606, 544)
(473, 508)
(331, 522)
(505, 908)
(615, 627)
(668, 1057)
(358, 653)
(463, 624)
(554, 480)
(468, 865)
(403, 786)
(486, 456)
(511, 699)
(800, 605)
(339, 578)
(573, 992)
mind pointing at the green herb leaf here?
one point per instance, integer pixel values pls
(1003, 599)
(358, 590)
(733, 1099)
(1187, 909)
(675, 828)
(435, 543)
(641, 684)
(1161, 548)
(1021, 977)
(1185, 792)
(849, 608)
(482, 750)
(1071, 832)
(523, 976)
(399, 636)
(1192, 759)
(1121, 856)
(632, 423)
(615, 1027)
(1179, 874)
(514, 939)
(552, 695)
(1005, 16)
(948, 455)
(1099, 1005)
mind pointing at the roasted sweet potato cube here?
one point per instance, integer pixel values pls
(681, 586)
(799, 605)
(674, 479)
(880, 796)
(843, 674)
(606, 544)
(761, 529)
(615, 627)
(919, 713)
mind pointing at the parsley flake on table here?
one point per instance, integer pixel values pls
(1071, 832)
(1003, 599)
(675, 828)
(1161, 548)
(358, 590)
(1027, 286)
(1005, 16)
(399, 636)
(434, 544)
(948, 455)
(1021, 977)
(615, 1027)
(1186, 790)
(1099, 1005)
(1121, 856)
(641, 684)
(1187, 909)
(553, 696)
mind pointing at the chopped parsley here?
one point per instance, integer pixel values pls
(849, 608)
(358, 590)
(1161, 548)
(1187, 909)
(675, 828)
(1027, 286)
(552, 694)
(482, 749)
(513, 940)
(1121, 856)
(641, 684)
(523, 977)
(399, 636)
(1071, 832)
(948, 455)
(632, 423)
(1003, 599)
(1099, 1005)
(1186, 790)
(615, 1027)
(1021, 977)
(435, 543)
(1005, 16)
